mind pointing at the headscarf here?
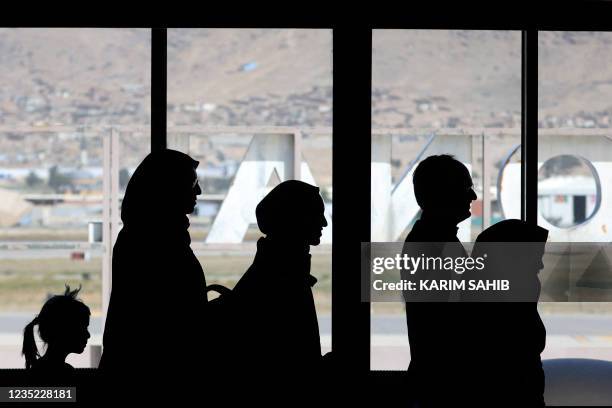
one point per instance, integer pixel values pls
(150, 197)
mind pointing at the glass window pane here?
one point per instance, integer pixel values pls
(62, 91)
(440, 92)
(575, 145)
(247, 104)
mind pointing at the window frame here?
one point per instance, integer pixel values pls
(351, 183)
(586, 16)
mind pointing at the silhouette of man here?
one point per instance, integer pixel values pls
(443, 190)
(276, 329)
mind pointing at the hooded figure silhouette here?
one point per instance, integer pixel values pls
(506, 337)
(158, 304)
(276, 321)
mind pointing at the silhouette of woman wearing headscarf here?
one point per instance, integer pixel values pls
(506, 334)
(276, 326)
(157, 310)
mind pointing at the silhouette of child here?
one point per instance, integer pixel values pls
(62, 325)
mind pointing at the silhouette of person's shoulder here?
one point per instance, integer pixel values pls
(274, 268)
(43, 372)
(428, 231)
(422, 232)
(42, 365)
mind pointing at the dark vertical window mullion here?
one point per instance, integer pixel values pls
(352, 67)
(529, 126)
(159, 91)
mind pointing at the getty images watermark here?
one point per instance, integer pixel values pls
(486, 272)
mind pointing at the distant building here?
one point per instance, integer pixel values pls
(567, 201)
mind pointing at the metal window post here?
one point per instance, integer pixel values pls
(486, 182)
(352, 137)
(114, 189)
(529, 126)
(106, 223)
(159, 94)
(297, 154)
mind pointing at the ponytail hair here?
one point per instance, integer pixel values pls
(29, 350)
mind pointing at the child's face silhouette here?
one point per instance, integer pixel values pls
(78, 336)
